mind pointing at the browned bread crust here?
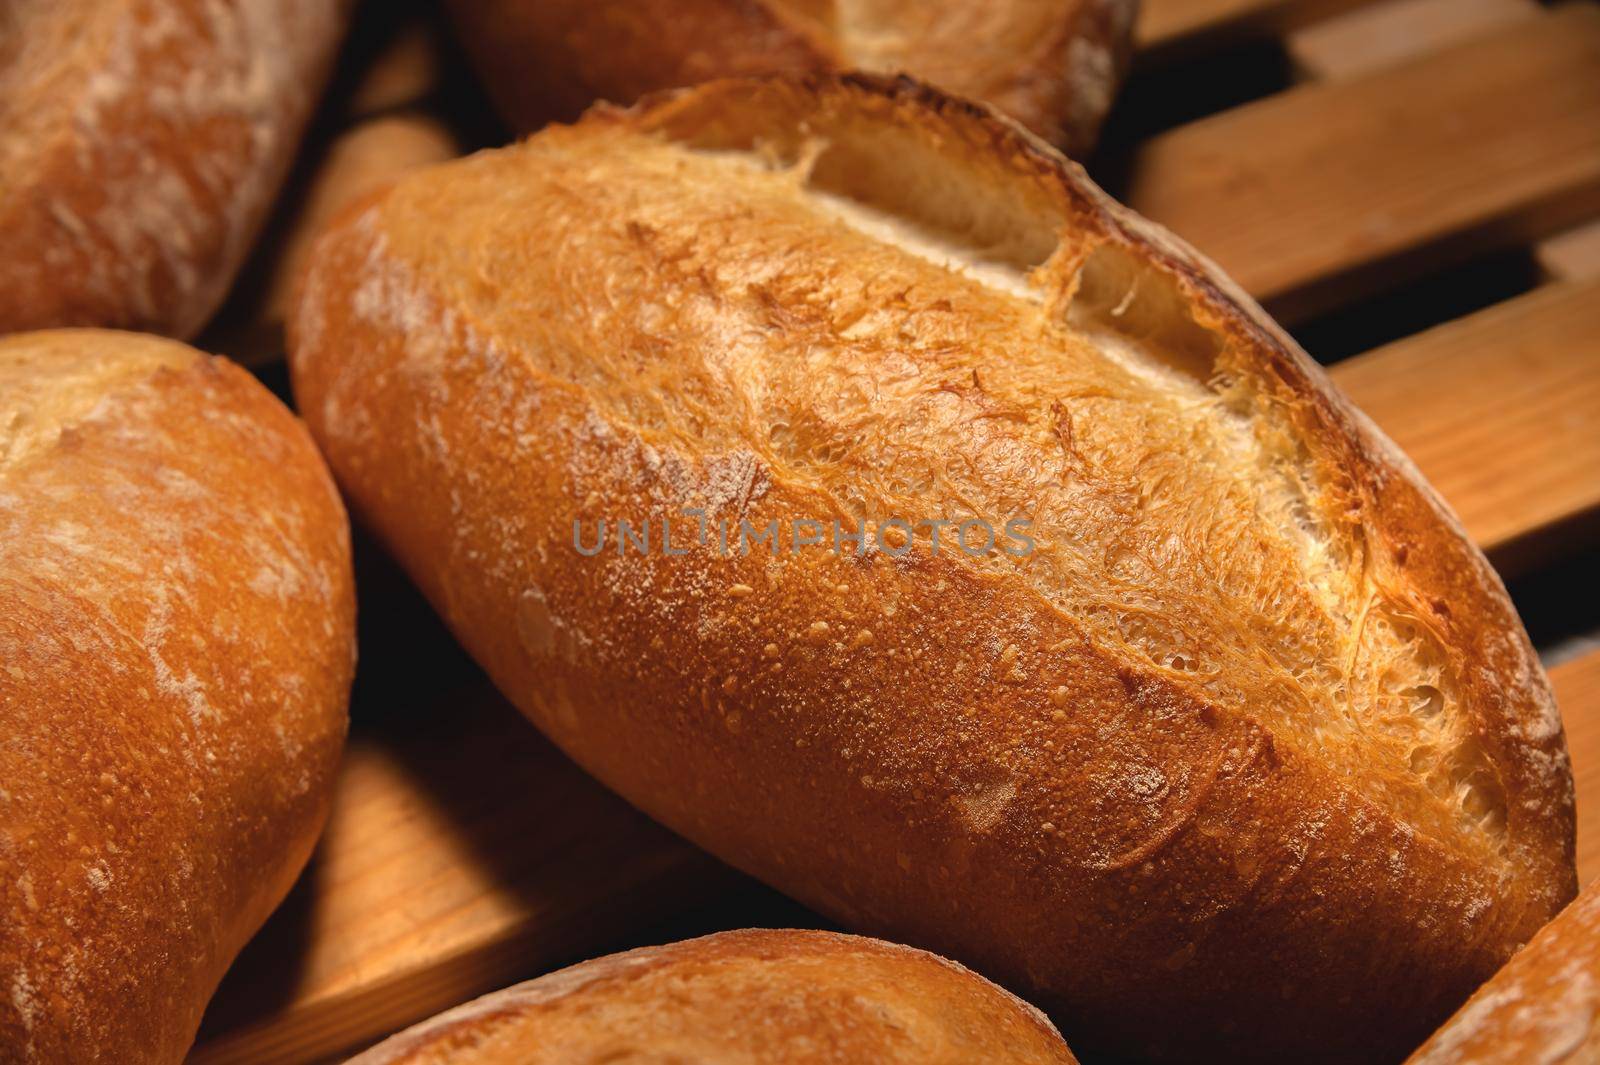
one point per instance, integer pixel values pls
(1054, 65)
(1253, 724)
(176, 647)
(141, 143)
(1543, 1007)
(742, 998)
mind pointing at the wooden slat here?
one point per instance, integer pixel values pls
(1573, 255)
(1323, 192)
(1501, 411)
(1577, 685)
(405, 70)
(1383, 35)
(463, 853)
(1169, 27)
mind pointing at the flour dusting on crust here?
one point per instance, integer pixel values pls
(145, 141)
(176, 635)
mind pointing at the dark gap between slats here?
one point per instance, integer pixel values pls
(1557, 605)
(1434, 299)
(1171, 95)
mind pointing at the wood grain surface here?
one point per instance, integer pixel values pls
(1573, 255)
(1501, 410)
(463, 851)
(1371, 38)
(1168, 26)
(1328, 191)
(1577, 684)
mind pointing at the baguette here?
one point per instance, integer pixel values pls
(1543, 1007)
(1251, 722)
(1054, 65)
(141, 144)
(176, 648)
(742, 998)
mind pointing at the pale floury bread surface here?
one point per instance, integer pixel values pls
(1543, 1008)
(176, 648)
(141, 144)
(758, 997)
(1250, 756)
(1054, 65)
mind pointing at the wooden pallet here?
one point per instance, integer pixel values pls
(1419, 148)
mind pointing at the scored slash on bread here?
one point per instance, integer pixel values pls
(1254, 723)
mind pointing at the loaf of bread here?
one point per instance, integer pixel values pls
(176, 648)
(1543, 1007)
(141, 144)
(1201, 724)
(1054, 65)
(755, 997)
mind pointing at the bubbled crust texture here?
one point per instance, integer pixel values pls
(176, 648)
(742, 998)
(1173, 766)
(1054, 65)
(141, 144)
(1543, 1008)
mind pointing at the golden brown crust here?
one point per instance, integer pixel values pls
(742, 998)
(141, 143)
(1543, 1008)
(1052, 65)
(1254, 721)
(549, 60)
(176, 647)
